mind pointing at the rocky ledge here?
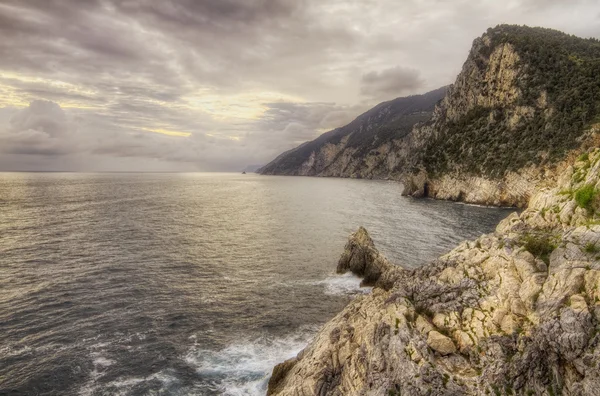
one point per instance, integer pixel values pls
(516, 311)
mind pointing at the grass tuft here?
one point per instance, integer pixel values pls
(585, 196)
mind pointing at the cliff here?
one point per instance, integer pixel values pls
(368, 147)
(516, 311)
(524, 103)
(525, 100)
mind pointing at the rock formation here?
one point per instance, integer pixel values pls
(516, 311)
(509, 120)
(362, 259)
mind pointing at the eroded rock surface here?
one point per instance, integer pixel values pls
(516, 311)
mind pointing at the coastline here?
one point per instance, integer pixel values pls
(516, 310)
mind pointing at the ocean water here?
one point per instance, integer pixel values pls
(188, 284)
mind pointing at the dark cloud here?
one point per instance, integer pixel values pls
(391, 82)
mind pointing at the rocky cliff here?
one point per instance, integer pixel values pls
(516, 311)
(525, 100)
(368, 147)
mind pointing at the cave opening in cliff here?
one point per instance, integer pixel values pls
(426, 190)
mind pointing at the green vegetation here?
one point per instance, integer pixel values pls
(584, 157)
(540, 245)
(585, 196)
(496, 390)
(562, 74)
(445, 379)
(591, 248)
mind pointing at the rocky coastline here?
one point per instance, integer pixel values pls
(516, 311)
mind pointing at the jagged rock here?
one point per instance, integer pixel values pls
(362, 259)
(518, 318)
(279, 372)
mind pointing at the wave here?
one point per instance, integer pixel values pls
(244, 368)
(125, 386)
(344, 284)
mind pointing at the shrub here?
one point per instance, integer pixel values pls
(585, 196)
(560, 68)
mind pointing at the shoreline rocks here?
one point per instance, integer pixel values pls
(516, 311)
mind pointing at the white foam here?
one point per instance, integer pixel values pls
(344, 284)
(123, 385)
(15, 351)
(102, 361)
(244, 368)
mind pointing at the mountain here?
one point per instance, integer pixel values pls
(364, 147)
(525, 102)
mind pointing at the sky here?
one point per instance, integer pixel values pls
(217, 85)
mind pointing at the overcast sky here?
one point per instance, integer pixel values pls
(207, 85)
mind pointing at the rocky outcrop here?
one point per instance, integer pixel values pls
(515, 189)
(362, 259)
(516, 311)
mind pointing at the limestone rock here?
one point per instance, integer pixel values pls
(440, 343)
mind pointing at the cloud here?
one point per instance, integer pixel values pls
(40, 129)
(246, 79)
(44, 130)
(288, 124)
(391, 82)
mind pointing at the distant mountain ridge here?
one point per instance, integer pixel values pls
(361, 148)
(526, 100)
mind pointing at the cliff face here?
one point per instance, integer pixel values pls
(368, 147)
(525, 100)
(513, 312)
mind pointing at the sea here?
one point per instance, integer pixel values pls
(189, 283)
